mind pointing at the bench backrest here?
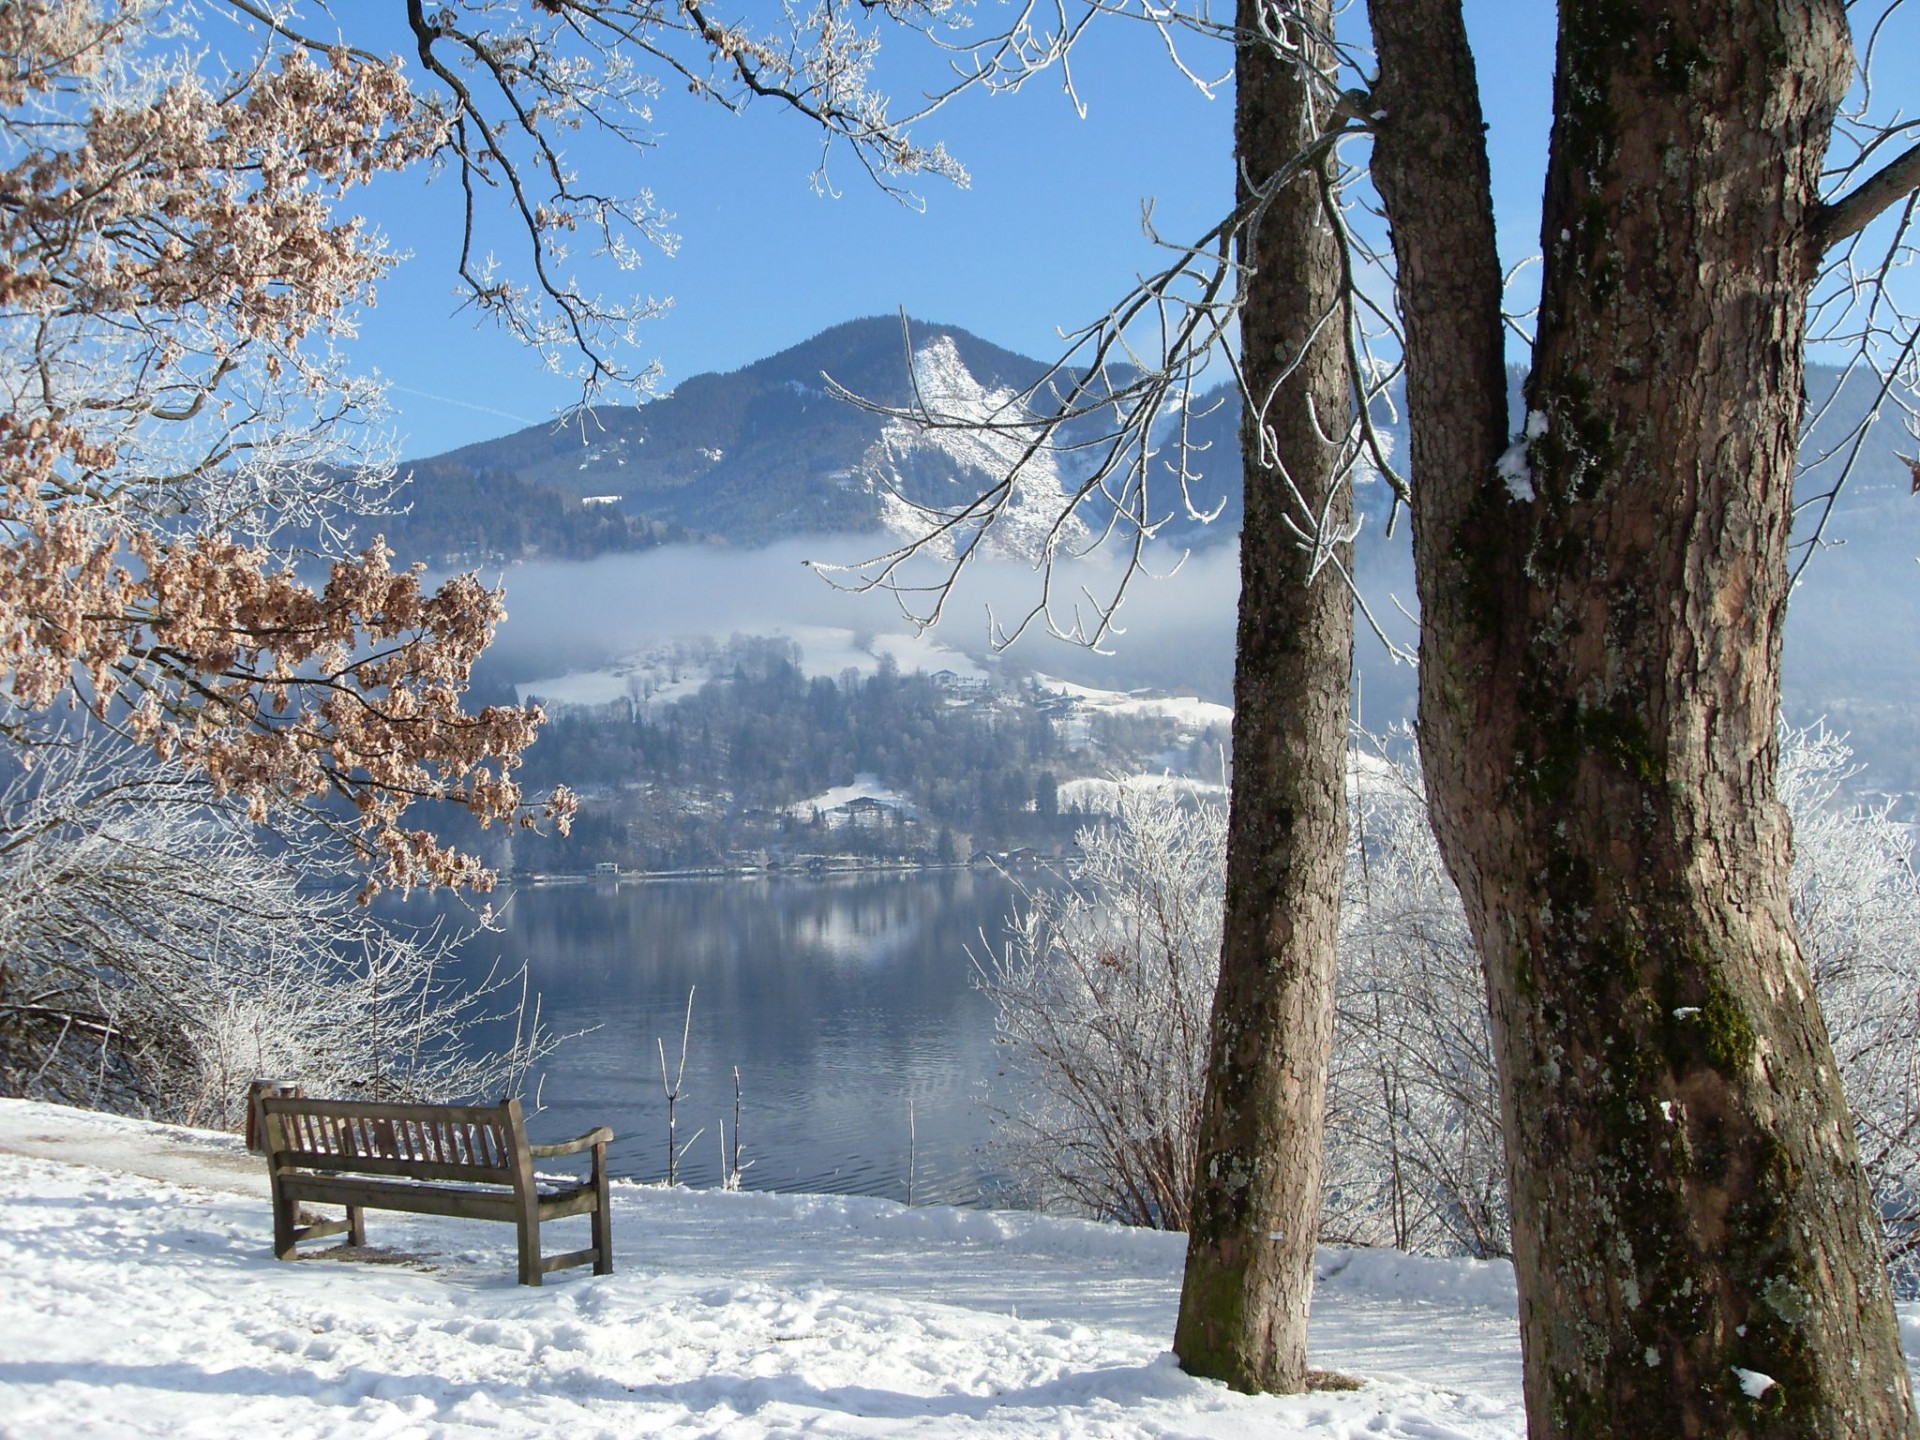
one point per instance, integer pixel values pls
(483, 1144)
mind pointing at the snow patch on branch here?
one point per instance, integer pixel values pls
(1512, 466)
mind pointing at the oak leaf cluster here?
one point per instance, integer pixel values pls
(176, 271)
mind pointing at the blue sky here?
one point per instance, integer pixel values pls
(1047, 235)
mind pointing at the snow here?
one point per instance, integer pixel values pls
(1512, 466)
(921, 652)
(978, 458)
(830, 650)
(142, 1299)
(1753, 1382)
(1185, 710)
(581, 687)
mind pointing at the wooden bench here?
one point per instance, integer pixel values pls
(470, 1161)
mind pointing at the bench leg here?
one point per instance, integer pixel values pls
(530, 1272)
(602, 1216)
(526, 1199)
(356, 1225)
(286, 1219)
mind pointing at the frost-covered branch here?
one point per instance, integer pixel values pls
(1862, 313)
(162, 951)
(1115, 407)
(179, 265)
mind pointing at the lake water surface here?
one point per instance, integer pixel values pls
(843, 1000)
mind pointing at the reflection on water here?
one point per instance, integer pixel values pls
(840, 999)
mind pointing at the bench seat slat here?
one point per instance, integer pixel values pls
(299, 1160)
(398, 1195)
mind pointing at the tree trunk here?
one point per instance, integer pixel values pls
(1249, 1273)
(1693, 1238)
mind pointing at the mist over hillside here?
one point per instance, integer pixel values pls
(693, 515)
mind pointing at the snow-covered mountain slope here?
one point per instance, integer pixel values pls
(930, 474)
(771, 452)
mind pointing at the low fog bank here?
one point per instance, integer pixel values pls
(1175, 625)
(1852, 648)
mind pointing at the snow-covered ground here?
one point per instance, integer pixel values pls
(1184, 710)
(140, 1298)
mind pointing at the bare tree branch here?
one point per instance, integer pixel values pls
(1836, 220)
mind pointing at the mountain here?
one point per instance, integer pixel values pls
(770, 452)
(767, 453)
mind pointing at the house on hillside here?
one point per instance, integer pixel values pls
(962, 687)
(863, 812)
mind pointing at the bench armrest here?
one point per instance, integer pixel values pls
(600, 1135)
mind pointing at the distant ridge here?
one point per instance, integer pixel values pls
(759, 454)
(764, 453)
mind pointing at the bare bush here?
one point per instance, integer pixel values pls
(161, 951)
(1414, 1152)
(1104, 985)
(1103, 991)
(1857, 904)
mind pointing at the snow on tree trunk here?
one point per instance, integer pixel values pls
(1256, 1194)
(1599, 689)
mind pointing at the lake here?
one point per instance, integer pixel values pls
(844, 1001)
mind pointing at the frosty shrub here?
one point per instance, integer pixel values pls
(1103, 989)
(1414, 1155)
(161, 950)
(1858, 908)
(1415, 1149)
(1105, 985)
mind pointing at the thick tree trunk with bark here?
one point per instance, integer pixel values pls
(1694, 1241)
(1249, 1274)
